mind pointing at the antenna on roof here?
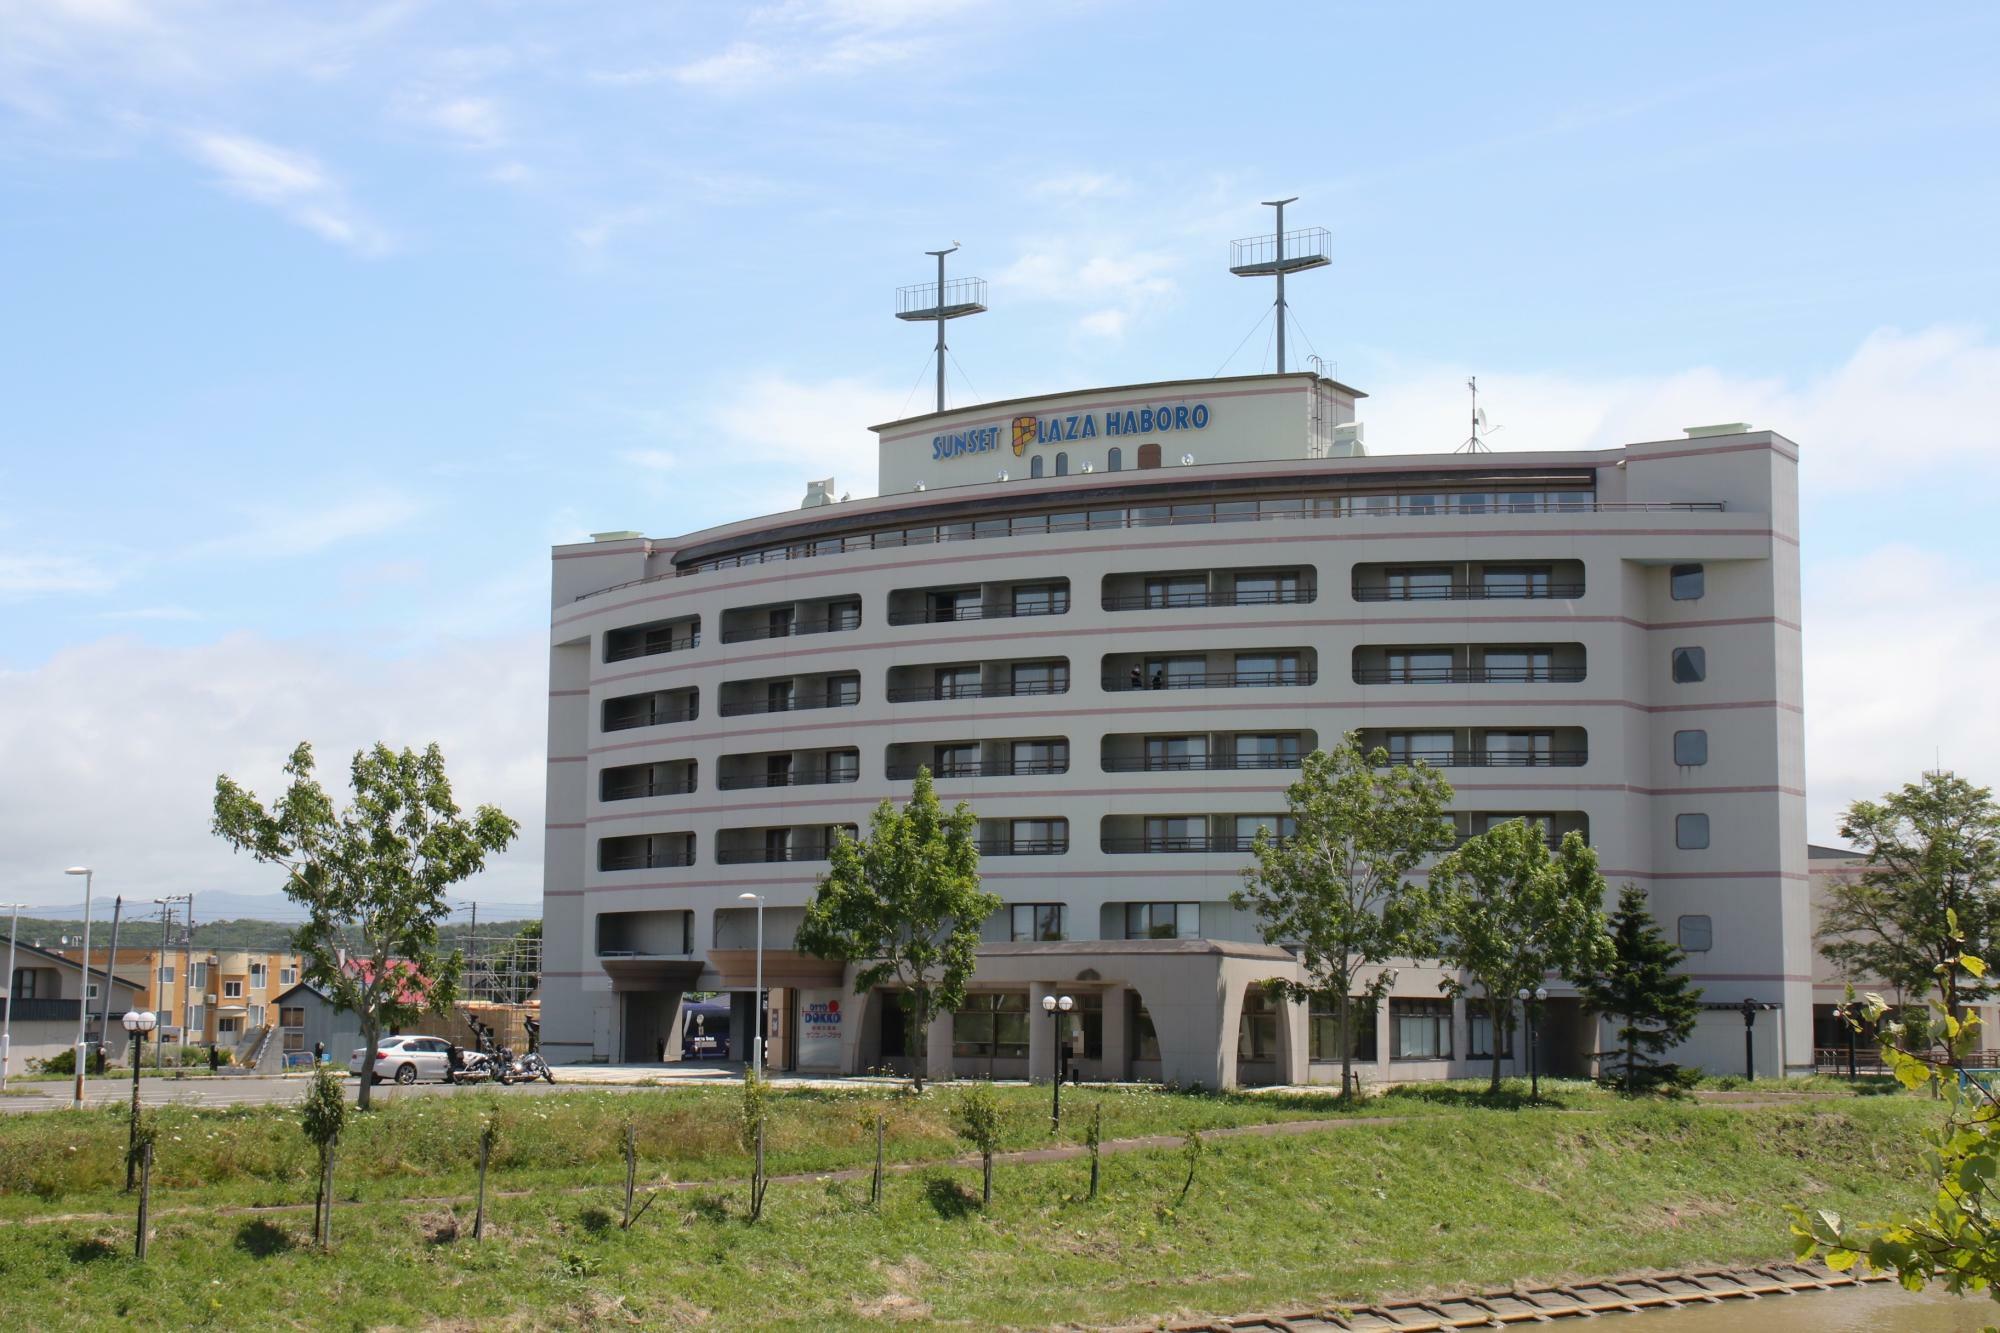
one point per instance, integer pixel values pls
(941, 301)
(1476, 443)
(1278, 254)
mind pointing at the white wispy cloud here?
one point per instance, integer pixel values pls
(292, 183)
(305, 529)
(23, 576)
(807, 39)
(652, 460)
(477, 121)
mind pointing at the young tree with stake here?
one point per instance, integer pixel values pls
(905, 903)
(372, 878)
(1335, 887)
(1507, 911)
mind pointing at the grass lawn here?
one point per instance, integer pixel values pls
(1452, 1196)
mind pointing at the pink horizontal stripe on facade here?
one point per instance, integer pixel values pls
(569, 758)
(1186, 543)
(564, 694)
(562, 826)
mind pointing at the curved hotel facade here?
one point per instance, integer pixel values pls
(1111, 621)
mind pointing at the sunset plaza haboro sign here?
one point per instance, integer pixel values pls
(1159, 419)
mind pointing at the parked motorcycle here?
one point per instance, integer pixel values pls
(465, 1066)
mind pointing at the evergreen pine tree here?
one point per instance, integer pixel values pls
(1644, 991)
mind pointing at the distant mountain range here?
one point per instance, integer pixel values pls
(244, 932)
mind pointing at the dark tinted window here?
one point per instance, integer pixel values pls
(1690, 748)
(1690, 665)
(1687, 582)
(1691, 832)
(1697, 934)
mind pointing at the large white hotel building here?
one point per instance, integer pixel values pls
(1111, 621)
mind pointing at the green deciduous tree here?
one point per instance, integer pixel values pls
(1507, 912)
(1336, 887)
(1932, 850)
(1643, 989)
(977, 1118)
(906, 905)
(323, 1115)
(372, 878)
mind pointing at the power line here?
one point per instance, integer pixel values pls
(1239, 346)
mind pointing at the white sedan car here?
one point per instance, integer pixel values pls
(406, 1059)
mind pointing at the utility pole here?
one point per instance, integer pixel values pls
(110, 971)
(7, 1022)
(83, 987)
(187, 968)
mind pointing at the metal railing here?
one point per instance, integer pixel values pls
(649, 646)
(1214, 680)
(807, 778)
(738, 856)
(638, 791)
(794, 704)
(29, 1009)
(1470, 592)
(1193, 842)
(1493, 758)
(1199, 763)
(644, 861)
(996, 768)
(1143, 516)
(943, 615)
(1013, 690)
(651, 718)
(1023, 846)
(1467, 675)
(1162, 601)
(792, 630)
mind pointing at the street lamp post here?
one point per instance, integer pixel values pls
(1749, 1008)
(83, 994)
(1055, 1007)
(138, 1022)
(1531, 1001)
(757, 1039)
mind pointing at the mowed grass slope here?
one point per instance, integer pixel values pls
(1467, 1198)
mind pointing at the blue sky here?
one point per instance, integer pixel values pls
(322, 323)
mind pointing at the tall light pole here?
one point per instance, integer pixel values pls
(83, 995)
(7, 1022)
(1531, 1000)
(757, 1038)
(1057, 1008)
(138, 1022)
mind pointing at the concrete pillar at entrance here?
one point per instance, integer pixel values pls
(1117, 1062)
(676, 1022)
(1197, 1032)
(937, 1048)
(742, 1024)
(1293, 1054)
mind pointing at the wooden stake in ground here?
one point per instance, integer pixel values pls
(875, 1186)
(486, 1135)
(758, 1180)
(325, 1237)
(631, 1171)
(1093, 1138)
(145, 1198)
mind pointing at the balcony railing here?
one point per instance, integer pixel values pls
(1492, 758)
(796, 703)
(1193, 842)
(33, 1010)
(739, 856)
(1214, 680)
(1148, 516)
(792, 630)
(1162, 601)
(1023, 846)
(643, 861)
(637, 791)
(1468, 675)
(648, 646)
(1199, 763)
(1470, 592)
(939, 615)
(1004, 690)
(982, 768)
(804, 778)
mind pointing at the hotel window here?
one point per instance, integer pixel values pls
(1176, 673)
(1697, 934)
(1145, 1041)
(955, 761)
(1044, 599)
(1687, 583)
(1267, 668)
(1267, 751)
(1518, 749)
(1114, 460)
(1090, 1012)
(1433, 747)
(1036, 922)
(1690, 748)
(1323, 1028)
(1514, 581)
(843, 615)
(1175, 754)
(1690, 665)
(1257, 1028)
(1266, 589)
(1162, 921)
(843, 691)
(843, 766)
(1409, 667)
(1691, 832)
(1038, 835)
(1248, 826)
(1062, 465)
(1422, 1029)
(1420, 584)
(1040, 677)
(1479, 1032)
(1180, 590)
(956, 682)
(166, 974)
(1032, 758)
(232, 990)
(955, 604)
(1035, 466)
(991, 1025)
(1176, 833)
(1516, 665)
